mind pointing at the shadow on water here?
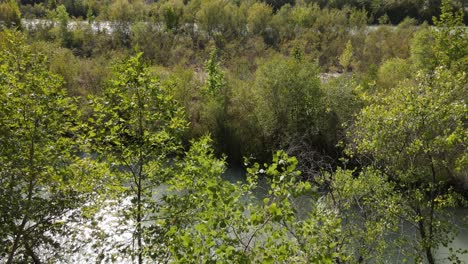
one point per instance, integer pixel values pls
(235, 174)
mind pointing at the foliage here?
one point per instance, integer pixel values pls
(215, 78)
(416, 133)
(185, 87)
(243, 125)
(171, 13)
(63, 63)
(370, 210)
(451, 38)
(215, 102)
(33, 11)
(155, 44)
(342, 101)
(126, 11)
(419, 134)
(123, 13)
(258, 17)
(278, 4)
(289, 99)
(135, 128)
(235, 226)
(217, 19)
(10, 15)
(393, 71)
(413, 123)
(422, 53)
(65, 35)
(386, 42)
(43, 178)
(284, 75)
(346, 56)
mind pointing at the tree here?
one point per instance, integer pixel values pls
(217, 19)
(451, 40)
(136, 127)
(214, 112)
(235, 226)
(215, 79)
(258, 17)
(393, 71)
(10, 15)
(289, 99)
(369, 209)
(277, 4)
(422, 54)
(346, 57)
(43, 179)
(66, 37)
(123, 13)
(446, 44)
(157, 45)
(171, 13)
(418, 134)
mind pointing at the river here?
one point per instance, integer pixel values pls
(109, 26)
(116, 234)
(461, 241)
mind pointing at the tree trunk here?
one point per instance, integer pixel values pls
(13, 250)
(33, 255)
(31, 183)
(139, 231)
(430, 257)
(426, 243)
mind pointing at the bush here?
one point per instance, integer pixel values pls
(289, 99)
(392, 72)
(33, 11)
(10, 15)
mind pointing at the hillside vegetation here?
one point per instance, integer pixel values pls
(119, 119)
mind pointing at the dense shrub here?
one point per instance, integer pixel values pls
(10, 15)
